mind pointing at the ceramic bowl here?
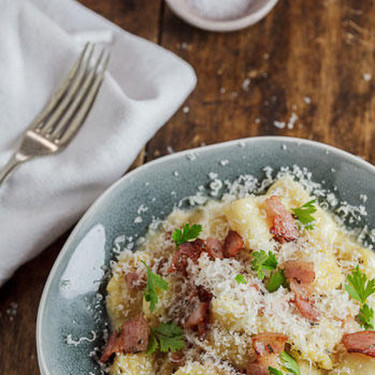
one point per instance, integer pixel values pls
(257, 10)
(71, 307)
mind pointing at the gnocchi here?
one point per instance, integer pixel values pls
(243, 285)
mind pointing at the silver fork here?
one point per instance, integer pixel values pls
(64, 114)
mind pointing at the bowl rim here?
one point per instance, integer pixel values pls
(247, 141)
(221, 25)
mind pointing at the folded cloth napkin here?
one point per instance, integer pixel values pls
(39, 42)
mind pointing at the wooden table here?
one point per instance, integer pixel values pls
(309, 65)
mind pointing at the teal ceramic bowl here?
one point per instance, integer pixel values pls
(72, 312)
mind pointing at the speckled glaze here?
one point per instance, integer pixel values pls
(70, 305)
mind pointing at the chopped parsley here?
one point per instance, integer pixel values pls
(166, 337)
(187, 233)
(274, 371)
(359, 288)
(276, 280)
(304, 214)
(263, 262)
(366, 317)
(290, 363)
(240, 279)
(154, 282)
(153, 343)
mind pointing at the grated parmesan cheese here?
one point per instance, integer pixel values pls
(239, 311)
(71, 341)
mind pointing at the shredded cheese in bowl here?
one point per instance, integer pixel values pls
(257, 284)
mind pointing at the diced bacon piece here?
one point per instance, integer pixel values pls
(134, 281)
(269, 360)
(198, 319)
(202, 330)
(198, 315)
(283, 225)
(193, 295)
(300, 275)
(233, 244)
(260, 366)
(203, 294)
(268, 346)
(187, 250)
(199, 293)
(134, 335)
(268, 343)
(160, 266)
(133, 338)
(256, 369)
(110, 348)
(214, 248)
(304, 301)
(176, 263)
(200, 245)
(300, 271)
(305, 305)
(360, 342)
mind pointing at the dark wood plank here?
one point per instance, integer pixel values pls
(140, 17)
(19, 301)
(302, 51)
(19, 297)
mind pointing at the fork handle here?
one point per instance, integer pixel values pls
(9, 167)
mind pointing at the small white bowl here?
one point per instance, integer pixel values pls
(257, 10)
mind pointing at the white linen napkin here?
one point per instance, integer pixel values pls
(39, 42)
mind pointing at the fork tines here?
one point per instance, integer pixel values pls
(67, 109)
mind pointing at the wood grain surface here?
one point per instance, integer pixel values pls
(309, 65)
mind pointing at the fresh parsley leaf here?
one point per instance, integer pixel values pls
(153, 344)
(358, 287)
(171, 337)
(271, 262)
(290, 363)
(154, 282)
(366, 317)
(304, 214)
(262, 262)
(274, 371)
(276, 280)
(167, 337)
(240, 279)
(187, 233)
